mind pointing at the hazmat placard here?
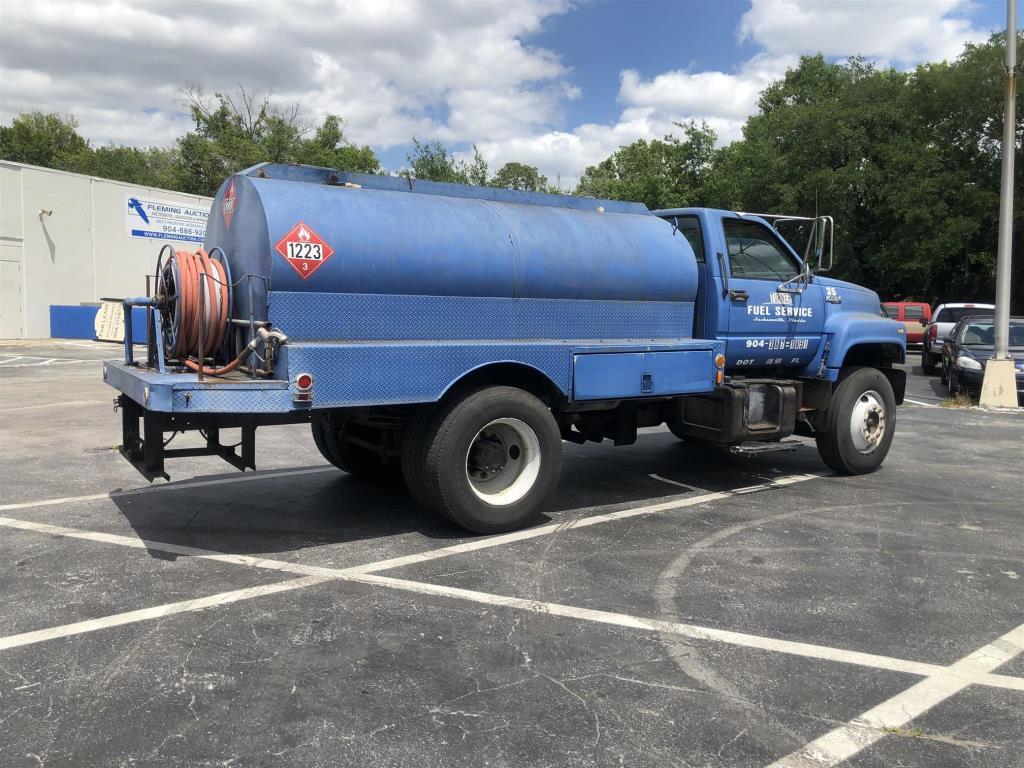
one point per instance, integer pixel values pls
(165, 219)
(304, 249)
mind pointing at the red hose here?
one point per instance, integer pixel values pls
(203, 321)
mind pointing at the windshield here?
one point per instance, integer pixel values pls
(981, 333)
(952, 314)
(755, 252)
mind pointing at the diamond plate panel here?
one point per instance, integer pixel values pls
(379, 374)
(231, 401)
(390, 317)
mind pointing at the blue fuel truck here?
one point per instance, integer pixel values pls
(451, 337)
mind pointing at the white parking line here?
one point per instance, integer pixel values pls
(809, 650)
(242, 478)
(344, 573)
(156, 612)
(584, 522)
(960, 674)
(676, 483)
(365, 574)
(381, 565)
(919, 402)
(846, 741)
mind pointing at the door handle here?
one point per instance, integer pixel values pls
(739, 295)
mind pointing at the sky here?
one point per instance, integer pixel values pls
(559, 84)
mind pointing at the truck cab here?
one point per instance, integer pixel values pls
(777, 314)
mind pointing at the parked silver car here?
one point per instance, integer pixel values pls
(943, 319)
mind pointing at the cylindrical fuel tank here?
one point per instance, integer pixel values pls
(303, 235)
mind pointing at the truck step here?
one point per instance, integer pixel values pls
(754, 448)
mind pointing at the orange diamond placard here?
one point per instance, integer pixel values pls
(304, 249)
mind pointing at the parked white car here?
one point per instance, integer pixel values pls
(943, 319)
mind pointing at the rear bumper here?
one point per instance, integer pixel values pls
(184, 393)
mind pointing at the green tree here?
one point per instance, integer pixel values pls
(236, 131)
(520, 176)
(660, 173)
(431, 161)
(151, 166)
(907, 163)
(328, 148)
(47, 140)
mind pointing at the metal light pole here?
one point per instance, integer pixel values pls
(999, 386)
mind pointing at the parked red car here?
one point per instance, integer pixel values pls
(914, 315)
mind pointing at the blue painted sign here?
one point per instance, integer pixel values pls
(166, 220)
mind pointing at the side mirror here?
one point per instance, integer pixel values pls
(923, 322)
(823, 236)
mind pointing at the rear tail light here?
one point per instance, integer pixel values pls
(933, 332)
(303, 388)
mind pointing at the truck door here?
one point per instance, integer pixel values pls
(766, 327)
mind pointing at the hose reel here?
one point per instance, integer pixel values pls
(194, 295)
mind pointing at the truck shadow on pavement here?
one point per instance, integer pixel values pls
(274, 515)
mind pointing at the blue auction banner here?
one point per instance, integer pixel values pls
(166, 220)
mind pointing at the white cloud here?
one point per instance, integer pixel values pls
(905, 32)
(902, 31)
(456, 71)
(711, 93)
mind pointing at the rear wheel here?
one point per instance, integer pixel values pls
(859, 423)
(346, 446)
(927, 361)
(676, 429)
(487, 460)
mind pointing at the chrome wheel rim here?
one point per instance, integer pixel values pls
(503, 461)
(868, 422)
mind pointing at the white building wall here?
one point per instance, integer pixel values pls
(64, 239)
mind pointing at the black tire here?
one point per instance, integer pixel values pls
(943, 374)
(953, 387)
(868, 390)
(414, 455)
(927, 361)
(676, 430)
(356, 460)
(522, 441)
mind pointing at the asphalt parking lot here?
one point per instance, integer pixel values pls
(677, 607)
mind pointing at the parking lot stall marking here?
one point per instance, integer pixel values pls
(243, 478)
(583, 522)
(135, 542)
(63, 404)
(365, 574)
(381, 565)
(676, 483)
(312, 575)
(844, 742)
(919, 402)
(156, 612)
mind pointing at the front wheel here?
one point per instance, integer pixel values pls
(860, 423)
(487, 460)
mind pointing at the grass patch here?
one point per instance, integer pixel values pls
(960, 400)
(915, 733)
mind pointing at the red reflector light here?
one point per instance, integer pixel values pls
(933, 333)
(304, 381)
